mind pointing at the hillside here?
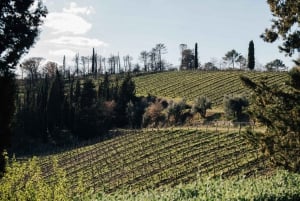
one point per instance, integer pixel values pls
(144, 159)
(190, 84)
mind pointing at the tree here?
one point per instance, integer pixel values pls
(88, 94)
(242, 61)
(210, 66)
(144, 59)
(231, 57)
(31, 65)
(188, 59)
(64, 67)
(177, 111)
(93, 61)
(201, 104)
(76, 60)
(160, 49)
(55, 103)
(278, 108)
(196, 62)
(251, 57)
(284, 26)
(182, 47)
(234, 105)
(50, 68)
(19, 27)
(276, 64)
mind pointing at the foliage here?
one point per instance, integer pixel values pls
(281, 186)
(284, 25)
(154, 115)
(275, 65)
(231, 57)
(251, 56)
(55, 104)
(19, 24)
(177, 112)
(234, 105)
(201, 104)
(7, 107)
(278, 109)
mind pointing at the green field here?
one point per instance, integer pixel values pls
(190, 84)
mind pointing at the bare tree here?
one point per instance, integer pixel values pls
(32, 65)
(84, 60)
(144, 59)
(76, 61)
(160, 49)
(50, 68)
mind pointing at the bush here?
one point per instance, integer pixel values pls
(234, 105)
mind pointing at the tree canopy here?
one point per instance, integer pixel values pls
(284, 25)
(19, 27)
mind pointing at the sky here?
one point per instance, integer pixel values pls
(130, 26)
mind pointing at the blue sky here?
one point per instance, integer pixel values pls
(129, 27)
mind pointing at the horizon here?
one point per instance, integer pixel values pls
(128, 28)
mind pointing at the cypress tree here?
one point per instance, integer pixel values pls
(251, 58)
(55, 103)
(196, 65)
(93, 61)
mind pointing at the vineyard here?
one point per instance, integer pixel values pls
(190, 84)
(146, 159)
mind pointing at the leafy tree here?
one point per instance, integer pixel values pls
(231, 57)
(276, 64)
(182, 47)
(187, 59)
(177, 111)
(201, 104)
(19, 27)
(234, 105)
(210, 66)
(278, 108)
(242, 61)
(251, 57)
(286, 13)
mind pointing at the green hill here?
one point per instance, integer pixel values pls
(144, 159)
(190, 84)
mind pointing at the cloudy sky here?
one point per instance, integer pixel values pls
(131, 26)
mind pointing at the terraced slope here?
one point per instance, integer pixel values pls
(190, 84)
(149, 159)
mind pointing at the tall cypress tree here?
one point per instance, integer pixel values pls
(251, 58)
(55, 104)
(93, 61)
(196, 64)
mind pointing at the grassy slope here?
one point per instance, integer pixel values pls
(190, 84)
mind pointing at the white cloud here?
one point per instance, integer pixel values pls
(67, 23)
(62, 52)
(74, 9)
(78, 41)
